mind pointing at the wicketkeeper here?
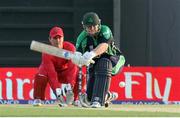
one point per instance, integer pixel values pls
(57, 71)
(96, 42)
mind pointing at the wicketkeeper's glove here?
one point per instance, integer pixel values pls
(60, 98)
(68, 93)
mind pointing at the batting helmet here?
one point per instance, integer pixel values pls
(91, 18)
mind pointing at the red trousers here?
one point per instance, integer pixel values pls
(41, 81)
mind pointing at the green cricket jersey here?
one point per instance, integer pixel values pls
(104, 36)
(87, 43)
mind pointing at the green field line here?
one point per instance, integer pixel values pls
(112, 111)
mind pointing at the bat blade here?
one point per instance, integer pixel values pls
(51, 50)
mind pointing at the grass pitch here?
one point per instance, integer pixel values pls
(71, 111)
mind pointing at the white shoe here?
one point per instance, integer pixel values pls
(37, 102)
(69, 97)
(96, 105)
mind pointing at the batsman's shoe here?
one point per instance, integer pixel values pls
(37, 102)
(69, 97)
(61, 101)
(96, 105)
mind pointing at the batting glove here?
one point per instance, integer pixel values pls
(76, 58)
(87, 57)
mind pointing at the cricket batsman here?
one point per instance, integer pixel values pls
(96, 42)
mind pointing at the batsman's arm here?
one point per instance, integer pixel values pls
(101, 48)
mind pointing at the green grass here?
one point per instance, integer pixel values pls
(112, 111)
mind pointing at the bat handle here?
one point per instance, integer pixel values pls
(92, 61)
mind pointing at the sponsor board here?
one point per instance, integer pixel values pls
(25, 101)
(141, 85)
(148, 83)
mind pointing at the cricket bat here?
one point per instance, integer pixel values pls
(51, 50)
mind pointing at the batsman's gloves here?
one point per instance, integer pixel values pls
(76, 58)
(88, 57)
(80, 60)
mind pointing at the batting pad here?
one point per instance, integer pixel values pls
(102, 75)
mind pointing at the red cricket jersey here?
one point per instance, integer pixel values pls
(58, 69)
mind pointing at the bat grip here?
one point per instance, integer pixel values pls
(92, 61)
